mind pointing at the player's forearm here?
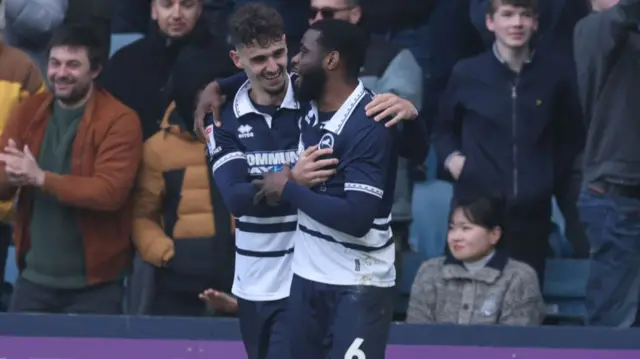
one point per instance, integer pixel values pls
(237, 193)
(353, 215)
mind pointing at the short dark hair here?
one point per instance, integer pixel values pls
(345, 38)
(488, 212)
(76, 35)
(493, 5)
(255, 23)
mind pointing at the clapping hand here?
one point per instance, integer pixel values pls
(21, 167)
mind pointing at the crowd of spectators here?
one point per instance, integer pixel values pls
(110, 205)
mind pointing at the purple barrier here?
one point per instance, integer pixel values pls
(72, 348)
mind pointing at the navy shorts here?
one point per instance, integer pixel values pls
(265, 328)
(339, 322)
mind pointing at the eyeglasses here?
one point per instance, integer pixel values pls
(326, 12)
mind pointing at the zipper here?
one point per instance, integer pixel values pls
(514, 133)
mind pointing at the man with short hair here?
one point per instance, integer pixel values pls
(510, 124)
(342, 294)
(141, 74)
(606, 48)
(259, 134)
(387, 69)
(72, 155)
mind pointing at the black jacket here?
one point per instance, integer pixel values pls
(519, 132)
(142, 75)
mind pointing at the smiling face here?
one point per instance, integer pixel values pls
(468, 241)
(309, 65)
(70, 74)
(512, 25)
(265, 64)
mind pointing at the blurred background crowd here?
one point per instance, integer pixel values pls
(154, 57)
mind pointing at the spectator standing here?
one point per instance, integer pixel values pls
(72, 155)
(476, 282)
(507, 126)
(606, 48)
(141, 74)
(19, 79)
(554, 36)
(387, 69)
(182, 225)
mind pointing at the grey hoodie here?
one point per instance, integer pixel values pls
(606, 46)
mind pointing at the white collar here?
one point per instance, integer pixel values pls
(339, 119)
(476, 265)
(242, 104)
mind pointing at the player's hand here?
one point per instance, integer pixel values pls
(390, 105)
(209, 100)
(272, 184)
(455, 164)
(219, 301)
(309, 171)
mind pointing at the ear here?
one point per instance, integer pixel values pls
(496, 234)
(535, 23)
(95, 73)
(154, 11)
(489, 23)
(332, 60)
(235, 57)
(355, 15)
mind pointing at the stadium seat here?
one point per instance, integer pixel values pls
(119, 41)
(564, 290)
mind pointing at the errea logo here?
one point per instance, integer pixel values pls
(245, 131)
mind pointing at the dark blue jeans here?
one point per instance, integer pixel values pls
(612, 223)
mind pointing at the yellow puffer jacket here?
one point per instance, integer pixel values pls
(19, 78)
(181, 224)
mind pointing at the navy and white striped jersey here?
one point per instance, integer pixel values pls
(248, 144)
(344, 235)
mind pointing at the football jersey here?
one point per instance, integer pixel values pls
(248, 144)
(344, 235)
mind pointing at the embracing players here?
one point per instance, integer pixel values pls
(259, 134)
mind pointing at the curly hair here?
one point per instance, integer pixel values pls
(255, 24)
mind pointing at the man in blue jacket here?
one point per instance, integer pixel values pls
(510, 124)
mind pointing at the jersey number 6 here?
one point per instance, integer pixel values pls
(354, 351)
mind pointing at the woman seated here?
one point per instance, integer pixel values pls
(476, 282)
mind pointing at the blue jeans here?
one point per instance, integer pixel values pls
(612, 223)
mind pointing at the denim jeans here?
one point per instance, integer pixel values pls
(612, 223)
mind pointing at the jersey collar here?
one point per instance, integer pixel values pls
(242, 104)
(339, 119)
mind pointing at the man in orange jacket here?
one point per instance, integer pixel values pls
(72, 155)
